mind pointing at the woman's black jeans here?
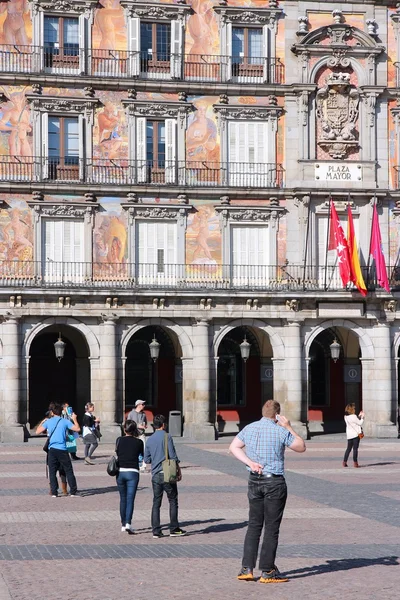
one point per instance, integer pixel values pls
(353, 443)
(267, 499)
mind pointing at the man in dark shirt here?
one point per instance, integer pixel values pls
(154, 454)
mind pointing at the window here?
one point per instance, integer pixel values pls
(156, 251)
(63, 148)
(250, 255)
(247, 154)
(61, 42)
(247, 50)
(156, 47)
(62, 250)
(155, 150)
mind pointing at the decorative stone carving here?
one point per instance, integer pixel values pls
(337, 16)
(225, 200)
(156, 213)
(132, 93)
(339, 58)
(161, 12)
(339, 35)
(183, 199)
(272, 100)
(89, 91)
(132, 197)
(57, 104)
(64, 210)
(390, 305)
(274, 201)
(302, 101)
(37, 196)
(262, 113)
(37, 88)
(248, 16)
(371, 26)
(182, 96)
(172, 110)
(337, 109)
(252, 16)
(250, 214)
(303, 26)
(90, 197)
(224, 99)
(293, 305)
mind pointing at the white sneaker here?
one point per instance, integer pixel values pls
(129, 528)
(123, 528)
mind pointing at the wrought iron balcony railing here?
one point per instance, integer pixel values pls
(72, 60)
(140, 172)
(212, 276)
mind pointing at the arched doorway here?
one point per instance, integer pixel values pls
(158, 383)
(242, 387)
(332, 385)
(54, 381)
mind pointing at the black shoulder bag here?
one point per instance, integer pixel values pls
(47, 442)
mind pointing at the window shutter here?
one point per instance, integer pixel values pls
(82, 44)
(228, 51)
(141, 149)
(135, 46)
(176, 48)
(261, 149)
(45, 145)
(81, 147)
(268, 69)
(170, 150)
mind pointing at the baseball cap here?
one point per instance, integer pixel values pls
(139, 402)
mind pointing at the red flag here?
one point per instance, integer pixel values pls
(356, 274)
(377, 252)
(342, 249)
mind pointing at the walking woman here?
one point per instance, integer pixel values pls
(90, 433)
(353, 431)
(128, 449)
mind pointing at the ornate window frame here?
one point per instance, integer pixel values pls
(138, 110)
(268, 114)
(83, 9)
(42, 106)
(63, 210)
(153, 212)
(267, 18)
(156, 12)
(247, 216)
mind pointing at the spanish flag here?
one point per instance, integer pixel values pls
(356, 275)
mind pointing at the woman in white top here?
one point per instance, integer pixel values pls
(353, 429)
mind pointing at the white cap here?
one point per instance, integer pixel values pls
(138, 402)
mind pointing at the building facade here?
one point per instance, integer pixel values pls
(166, 170)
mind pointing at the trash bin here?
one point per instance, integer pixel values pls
(175, 423)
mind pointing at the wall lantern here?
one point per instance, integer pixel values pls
(154, 349)
(245, 349)
(335, 350)
(59, 348)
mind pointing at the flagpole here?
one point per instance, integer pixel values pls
(327, 241)
(306, 248)
(370, 241)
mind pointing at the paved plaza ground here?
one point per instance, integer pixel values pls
(339, 536)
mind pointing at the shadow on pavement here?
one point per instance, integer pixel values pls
(379, 464)
(103, 490)
(223, 527)
(343, 565)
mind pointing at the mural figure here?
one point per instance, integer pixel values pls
(14, 118)
(16, 245)
(110, 246)
(16, 235)
(202, 137)
(202, 27)
(109, 21)
(14, 31)
(203, 237)
(109, 123)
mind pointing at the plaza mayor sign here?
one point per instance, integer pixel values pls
(338, 172)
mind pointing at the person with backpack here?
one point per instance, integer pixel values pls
(58, 455)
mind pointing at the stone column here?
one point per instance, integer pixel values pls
(109, 409)
(377, 386)
(293, 377)
(199, 426)
(12, 430)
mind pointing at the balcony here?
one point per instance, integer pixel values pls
(120, 64)
(179, 277)
(140, 172)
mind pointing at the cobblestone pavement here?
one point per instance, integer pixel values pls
(339, 537)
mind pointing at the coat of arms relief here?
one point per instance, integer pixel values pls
(337, 109)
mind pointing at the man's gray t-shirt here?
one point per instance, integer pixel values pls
(139, 418)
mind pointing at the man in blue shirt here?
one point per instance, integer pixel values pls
(58, 455)
(265, 442)
(154, 454)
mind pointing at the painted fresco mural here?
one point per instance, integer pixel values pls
(15, 125)
(203, 237)
(15, 23)
(110, 135)
(202, 36)
(16, 237)
(202, 138)
(110, 240)
(109, 28)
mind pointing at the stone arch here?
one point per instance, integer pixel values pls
(355, 65)
(183, 338)
(277, 344)
(366, 345)
(88, 335)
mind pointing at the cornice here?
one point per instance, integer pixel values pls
(61, 104)
(64, 7)
(251, 112)
(158, 11)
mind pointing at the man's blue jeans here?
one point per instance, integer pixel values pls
(267, 499)
(171, 489)
(127, 482)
